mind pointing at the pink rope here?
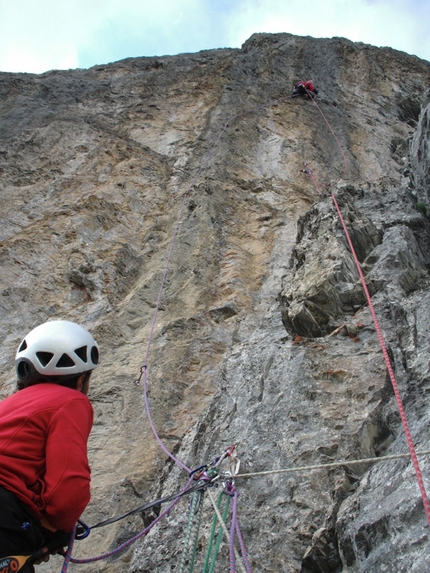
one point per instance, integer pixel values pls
(394, 384)
(232, 533)
(242, 544)
(389, 368)
(345, 165)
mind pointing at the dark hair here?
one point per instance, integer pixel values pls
(67, 381)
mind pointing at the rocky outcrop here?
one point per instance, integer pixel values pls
(326, 283)
(420, 155)
(263, 337)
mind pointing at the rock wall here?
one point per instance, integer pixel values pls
(263, 337)
(420, 155)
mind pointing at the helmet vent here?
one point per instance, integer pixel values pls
(82, 353)
(65, 362)
(94, 355)
(23, 369)
(23, 346)
(44, 357)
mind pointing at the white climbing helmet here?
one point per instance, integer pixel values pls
(56, 348)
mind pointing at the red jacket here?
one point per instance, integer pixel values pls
(307, 85)
(43, 451)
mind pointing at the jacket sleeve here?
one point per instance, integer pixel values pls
(67, 476)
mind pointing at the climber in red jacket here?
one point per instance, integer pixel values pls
(304, 89)
(44, 428)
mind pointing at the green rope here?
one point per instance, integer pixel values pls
(211, 557)
(195, 530)
(192, 532)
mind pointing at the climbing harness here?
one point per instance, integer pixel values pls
(14, 563)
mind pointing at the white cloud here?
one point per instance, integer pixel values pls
(402, 24)
(39, 35)
(145, 28)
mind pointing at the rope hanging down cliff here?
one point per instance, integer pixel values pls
(390, 371)
(144, 367)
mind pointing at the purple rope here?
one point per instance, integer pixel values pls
(143, 374)
(232, 532)
(68, 555)
(133, 539)
(235, 529)
(144, 368)
(242, 545)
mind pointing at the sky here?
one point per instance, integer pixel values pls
(41, 35)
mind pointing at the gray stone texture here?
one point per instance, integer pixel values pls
(263, 338)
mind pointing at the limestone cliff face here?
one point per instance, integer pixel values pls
(420, 153)
(263, 337)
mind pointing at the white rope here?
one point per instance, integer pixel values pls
(331, 465)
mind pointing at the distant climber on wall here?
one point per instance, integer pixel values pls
(44, 428)
(304, 89)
